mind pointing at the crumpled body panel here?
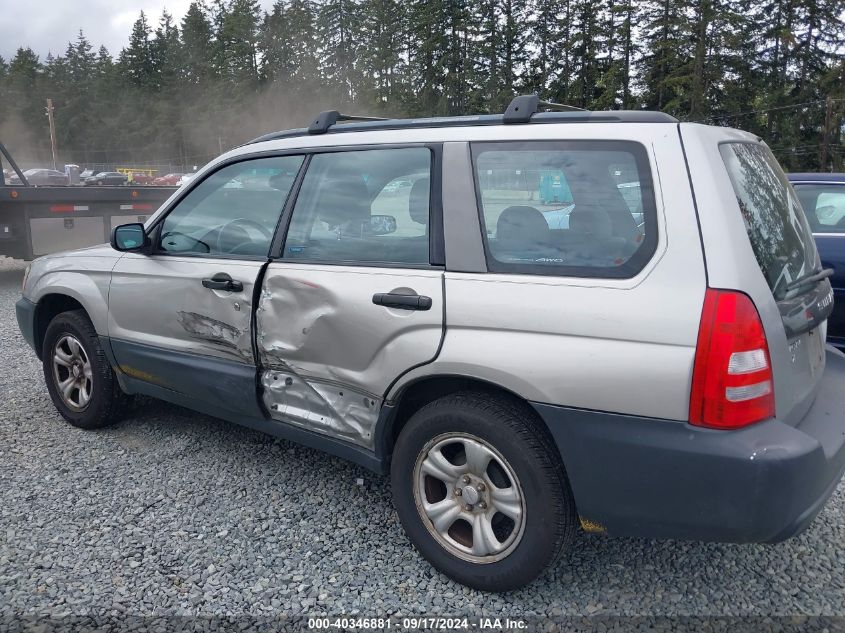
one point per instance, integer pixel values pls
(329, 354)
(327, 408)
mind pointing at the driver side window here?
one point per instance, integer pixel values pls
(234, 211)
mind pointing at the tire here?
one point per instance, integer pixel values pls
(99, 399)
(508, 433)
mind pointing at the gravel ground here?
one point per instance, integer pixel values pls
(175, 513)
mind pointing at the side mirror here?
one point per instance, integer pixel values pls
(129, 237)
(382, 224)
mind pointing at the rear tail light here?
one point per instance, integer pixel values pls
(732, 383)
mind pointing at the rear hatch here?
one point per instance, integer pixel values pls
(783, 246)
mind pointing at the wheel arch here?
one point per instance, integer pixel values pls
(46, 309)
(411, 396)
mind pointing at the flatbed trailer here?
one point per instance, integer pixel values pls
(37, 221)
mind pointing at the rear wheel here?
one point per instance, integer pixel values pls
(481, 491)
(79, 378)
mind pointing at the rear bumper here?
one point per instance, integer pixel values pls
(666, 479)
(25, 311)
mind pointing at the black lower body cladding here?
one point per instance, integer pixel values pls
(25, 311)
(647, 477)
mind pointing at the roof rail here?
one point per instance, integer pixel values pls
(370, 124)
(523, 107)
(328, 118)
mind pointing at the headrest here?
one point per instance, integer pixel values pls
(281, 181)
(593, 222)
(520, 226)
(418, 202)
(343, 200)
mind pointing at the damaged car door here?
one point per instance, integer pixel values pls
(354, 298)
(180, 316)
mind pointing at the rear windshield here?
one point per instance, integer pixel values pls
(776, 225)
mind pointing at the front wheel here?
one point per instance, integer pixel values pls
(481, 491)
(79, 378)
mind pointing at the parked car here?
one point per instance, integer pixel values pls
(559, 218)
(517, 382)
(105, 178)
(142, 179)
(186, 178)
(823, 199)
(87, 173)
(168, 181)
(396, 186)
(41, 177)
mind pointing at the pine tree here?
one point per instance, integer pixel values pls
(288, 45)
(197, 46)
(339, 31)
(383, 70)
(137, 60)
(663, 39)
(167, 53)
(23, 93)
(238, 37)
(227, 72)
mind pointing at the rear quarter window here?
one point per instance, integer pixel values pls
(774, 220)
(566, 208)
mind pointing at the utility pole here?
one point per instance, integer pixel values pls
(52, 130)
(828, 120)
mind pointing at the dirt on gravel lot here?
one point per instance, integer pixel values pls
(175, 513)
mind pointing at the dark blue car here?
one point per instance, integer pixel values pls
(823, 199)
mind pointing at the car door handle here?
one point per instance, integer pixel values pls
(222, 281)
(402, 302)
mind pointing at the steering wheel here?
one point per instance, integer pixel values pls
(177, 234)
(239, 223)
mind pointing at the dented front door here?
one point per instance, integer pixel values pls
(160, 301)
(180, 318)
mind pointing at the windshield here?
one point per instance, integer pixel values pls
(776, 225)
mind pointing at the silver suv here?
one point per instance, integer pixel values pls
(392, 292)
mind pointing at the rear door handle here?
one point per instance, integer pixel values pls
(402, 302)
(222, 281)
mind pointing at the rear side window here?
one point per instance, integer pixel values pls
(569, 208)
(776, 225)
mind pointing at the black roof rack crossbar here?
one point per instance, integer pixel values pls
(328, 118)
(522, 108)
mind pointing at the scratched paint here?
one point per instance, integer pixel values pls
(206, 328)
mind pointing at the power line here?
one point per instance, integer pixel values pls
(764, 110)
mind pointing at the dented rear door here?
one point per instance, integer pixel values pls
(355, 298)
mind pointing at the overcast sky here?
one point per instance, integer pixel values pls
(48, 25)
